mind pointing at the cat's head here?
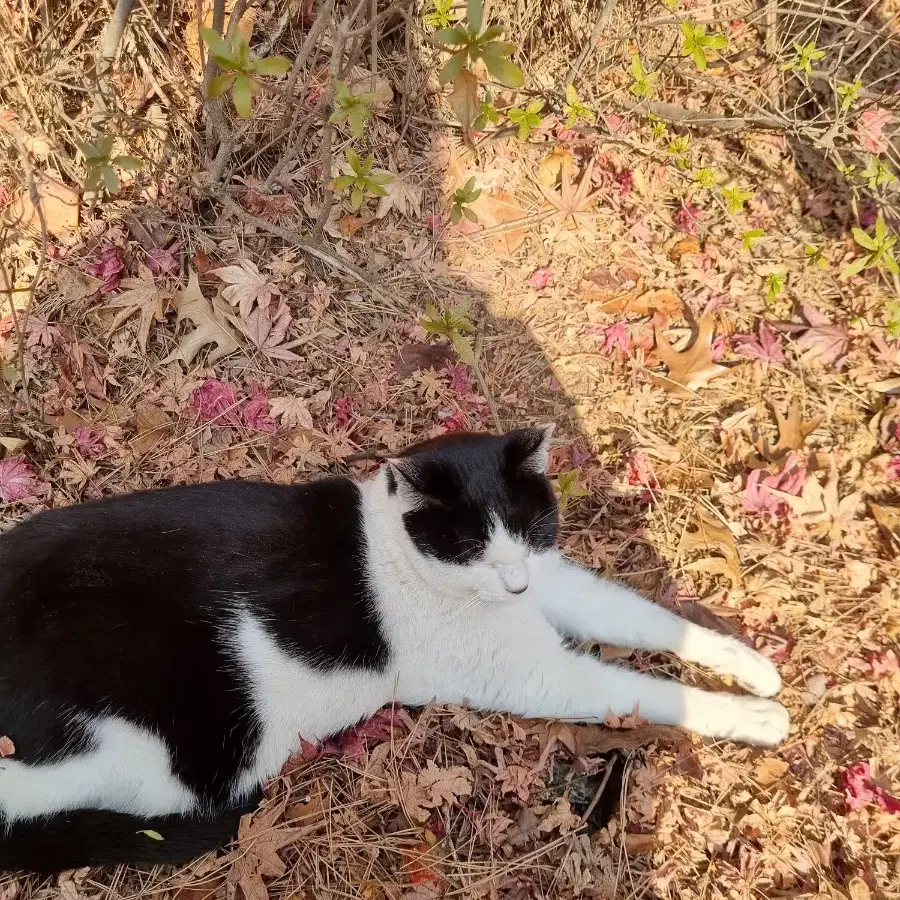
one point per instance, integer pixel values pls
(478, 508)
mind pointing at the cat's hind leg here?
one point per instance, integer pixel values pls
(124, 768)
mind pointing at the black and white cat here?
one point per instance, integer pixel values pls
(161, 653)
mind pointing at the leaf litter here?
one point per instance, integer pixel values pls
(666, 456)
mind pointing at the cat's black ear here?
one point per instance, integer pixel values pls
(528, 449)
(404, 480)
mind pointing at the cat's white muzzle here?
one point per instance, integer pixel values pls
(514, 578)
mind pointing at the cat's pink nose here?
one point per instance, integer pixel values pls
(514, 578)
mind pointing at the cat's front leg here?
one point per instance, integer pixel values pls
(583, 605)
(564, 684)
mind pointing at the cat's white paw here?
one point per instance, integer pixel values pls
(750, 720)
(750, 669)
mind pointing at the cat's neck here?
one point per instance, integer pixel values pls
(390, 546)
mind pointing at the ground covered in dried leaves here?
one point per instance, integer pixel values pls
(728, 443)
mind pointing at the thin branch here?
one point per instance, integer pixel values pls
(596, 34)
(109, 47)
(21, 325)
(300, 242)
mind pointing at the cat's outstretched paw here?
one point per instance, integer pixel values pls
(764, 723)
(750, 669)
(748, 720)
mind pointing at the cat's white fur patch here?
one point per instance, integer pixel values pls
(129, 770)
(489, 634)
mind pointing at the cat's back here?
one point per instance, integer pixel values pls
(134, 602)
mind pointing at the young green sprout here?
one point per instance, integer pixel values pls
(468, 43)
(735, 198)
(363, 183)
(696, 42)
(453, 324)
(527, 119)
(242, 70)
(354, 109)
(575, 110)
(804, 56)
(879, 251)
(459, 202)
(644, 84)
(100, 165)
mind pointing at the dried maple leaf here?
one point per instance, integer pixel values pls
(888, 519)
(153, 426)
(292, 411)
(17, 481)
(764, 346)
(823, 340)
(792, 430)
(820, 507)
(259, 840)
(267, 326)
(246, 286)
(572, 202)
(692, 368)
(711, 534)
(141, 295)
(792, 433)
(764, 489)
(211, 320)
(402, 195)
(421, 792)
(769, 771)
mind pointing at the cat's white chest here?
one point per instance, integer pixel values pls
(293, 700)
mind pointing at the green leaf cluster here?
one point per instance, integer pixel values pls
(354, 109)
(459, 202)
(879, 251)
(101, 165)
(453, 324)
(242, 70)
(527, 119)
(468, 43)
(696, 42)
(363, 183)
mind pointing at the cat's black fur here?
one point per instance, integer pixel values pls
(114, 606)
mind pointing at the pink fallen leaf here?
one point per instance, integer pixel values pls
(17, 481)
(540, 278)
(764, 346)
(343, 412)
(870, 129)
(459, 379)
(108, 267)
(860, 790)
(884, 663)
(435, 224)
(639, 470)
(351, 743)
(625, 180)
(454, 421)
(892, 469)
(216, 401)
(718, 347)
(256, 415)
(89, 443)
(758, 500)
(617, 337)
(163, 260)
(7, 747)
(687, 219)
(823, 340)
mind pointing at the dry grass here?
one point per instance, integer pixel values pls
(696, 820)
